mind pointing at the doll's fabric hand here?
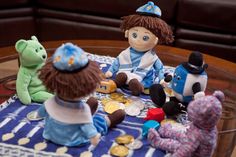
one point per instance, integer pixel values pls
(166, 81)
(95, 139)
(164, 84)
(108, 74)
(153, 136)
(164, 129)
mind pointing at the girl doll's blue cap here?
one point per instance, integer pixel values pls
(149, 9)
(69, 57)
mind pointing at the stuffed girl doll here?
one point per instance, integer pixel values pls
(199, 139)
(138, 65)
(68, 119)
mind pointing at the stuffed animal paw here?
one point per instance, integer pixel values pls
(153, 136)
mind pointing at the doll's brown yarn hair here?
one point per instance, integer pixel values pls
(71, 85)
(154, 24)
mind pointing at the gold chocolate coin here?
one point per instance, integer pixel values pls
(128, 102)
(116, 95)
(132, 110)
(120, 99)
(168, 121)
(111, 107)
(124, 139)
(119, 150)
(33, 116)
(136, 144)
(105, 100)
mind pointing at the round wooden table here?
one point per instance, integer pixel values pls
(221, 73)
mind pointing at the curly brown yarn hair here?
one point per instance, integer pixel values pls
(154, 24)
(71, 85)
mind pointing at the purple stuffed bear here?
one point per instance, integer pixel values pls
(200, 137)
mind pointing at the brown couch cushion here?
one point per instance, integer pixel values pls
(111, 8)
(211, 15)
(74, 30)
(14, 3)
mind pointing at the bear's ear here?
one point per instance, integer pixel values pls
(34, 38)
(20, 45)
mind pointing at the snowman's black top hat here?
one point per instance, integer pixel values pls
(195, 63)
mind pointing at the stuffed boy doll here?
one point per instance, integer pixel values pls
(199, 139)
(138, 65)
(68, 119)
(32, 57)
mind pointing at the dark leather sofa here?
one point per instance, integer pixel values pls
(204, 25)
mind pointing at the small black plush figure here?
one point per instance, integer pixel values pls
(189, 82)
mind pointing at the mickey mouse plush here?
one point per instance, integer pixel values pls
(189, 81)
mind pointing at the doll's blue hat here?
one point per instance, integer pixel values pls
(149, 9)
(69, 57)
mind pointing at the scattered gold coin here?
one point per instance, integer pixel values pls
(169, 91)
(136, 144)
(86, 154)
(168, 121)
(124, 139)
(120, 99)
(105, 100)
(111, 106)
(132, 110)
(33, 116)
(7, 136)
(23, 141)
(40, 146)
(116, 95)
(119, 150)
(128, 102)
(61, 150)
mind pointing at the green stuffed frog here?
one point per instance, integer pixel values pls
(32, 57)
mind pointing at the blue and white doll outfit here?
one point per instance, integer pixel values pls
(143, 66)
(70, 123)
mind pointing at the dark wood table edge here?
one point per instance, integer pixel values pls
(9, 53)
